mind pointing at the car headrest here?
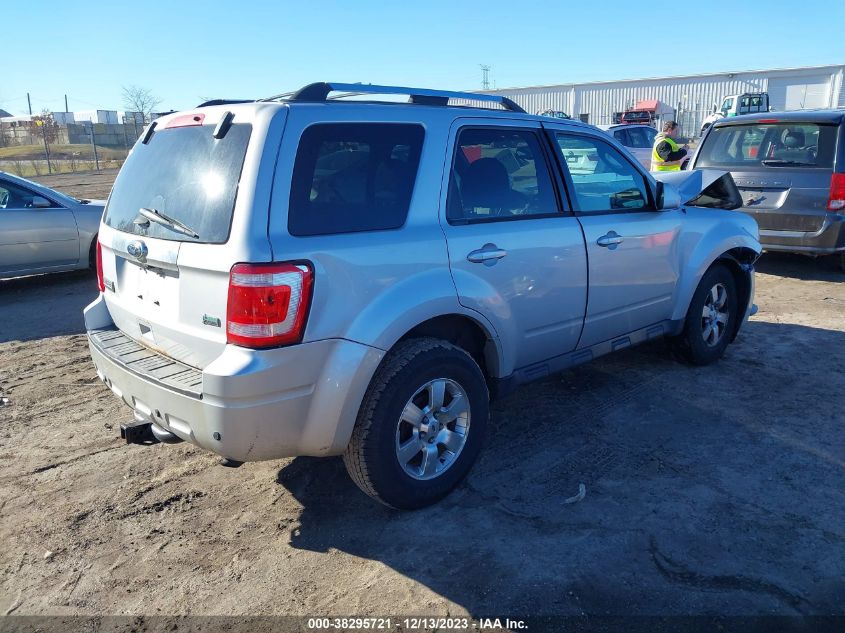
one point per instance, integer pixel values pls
(794, 139)
(485, 183)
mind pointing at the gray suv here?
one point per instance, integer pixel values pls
(313, 275)
(790, 170)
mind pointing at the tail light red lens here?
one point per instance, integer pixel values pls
(101, 282)
(836, 200)
(268, 304)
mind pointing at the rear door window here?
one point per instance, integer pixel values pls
(499, 174)
(186, 174)
(351, 177)
(769, 145)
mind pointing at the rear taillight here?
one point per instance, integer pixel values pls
(101, 283)
(268, 304)
(836, 200)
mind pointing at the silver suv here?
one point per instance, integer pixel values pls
(319, 276)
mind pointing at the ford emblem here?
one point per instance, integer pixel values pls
(138, 250)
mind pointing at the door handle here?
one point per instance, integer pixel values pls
(489, 254)
(610, 240)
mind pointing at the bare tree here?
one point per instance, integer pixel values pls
(137, 99)
(46, 126)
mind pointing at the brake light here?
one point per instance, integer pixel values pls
(836, 200)
(268, 304)
(768, 121)
(186, 120)
(101, 282)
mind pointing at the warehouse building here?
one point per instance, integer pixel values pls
(692, 96)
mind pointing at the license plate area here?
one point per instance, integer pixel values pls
(152, 292)
(769, 198)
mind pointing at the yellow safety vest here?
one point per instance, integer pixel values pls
(657, 163)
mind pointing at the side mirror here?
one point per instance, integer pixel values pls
(40, 203)
(667, 197)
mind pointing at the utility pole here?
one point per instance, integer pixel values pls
(29, 102)
(94, 147)
(485, 77)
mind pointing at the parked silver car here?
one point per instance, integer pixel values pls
(314, 276)
(43, 230)
(636, 138)
(790, 169)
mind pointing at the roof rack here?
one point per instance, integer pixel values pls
(214, 102)
(320, 92)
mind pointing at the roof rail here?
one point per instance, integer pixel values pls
(214, 102)
(423, 96)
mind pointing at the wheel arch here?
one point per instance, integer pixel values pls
(465, 332)
(740, 262)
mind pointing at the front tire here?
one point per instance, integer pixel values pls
(711, 319)
(421, 424)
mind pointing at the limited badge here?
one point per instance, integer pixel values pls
(210, 320)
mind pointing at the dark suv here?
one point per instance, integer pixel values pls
(790, 169)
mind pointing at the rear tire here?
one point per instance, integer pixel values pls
(421, 424)
(92, 254)
(711, 319)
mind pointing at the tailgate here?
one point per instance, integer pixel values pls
(788, 201)
(182, 212)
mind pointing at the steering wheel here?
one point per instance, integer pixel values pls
(4, 198)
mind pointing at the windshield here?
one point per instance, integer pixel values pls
(769, 146)
(184, 174)
(637, 117)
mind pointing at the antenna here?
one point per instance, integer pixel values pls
(485, 77)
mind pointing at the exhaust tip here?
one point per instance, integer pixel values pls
(164, 436)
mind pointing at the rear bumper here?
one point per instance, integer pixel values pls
(829, 239)
(250, 405)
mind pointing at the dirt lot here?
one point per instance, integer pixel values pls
(708, 490)
(94, 185)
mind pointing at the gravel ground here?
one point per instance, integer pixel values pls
(717, 490)
(708, 490)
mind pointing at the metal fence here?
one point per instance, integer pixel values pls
(37, 149)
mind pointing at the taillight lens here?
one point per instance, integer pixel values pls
(268, 304)
(836, 200)
(101, 283)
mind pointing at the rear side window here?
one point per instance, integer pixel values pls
(351, 177)
(769, 145)
(641, 137)
(186, 174)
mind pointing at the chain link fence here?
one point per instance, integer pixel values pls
(42, 146)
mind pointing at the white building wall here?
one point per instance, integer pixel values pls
(694, 96)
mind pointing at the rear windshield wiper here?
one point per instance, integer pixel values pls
(165, 220)
(787, 163)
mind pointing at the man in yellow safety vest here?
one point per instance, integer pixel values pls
(667, 155)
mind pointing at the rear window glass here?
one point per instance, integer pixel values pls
(351, 177)
(769, 145)
(185, 174)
